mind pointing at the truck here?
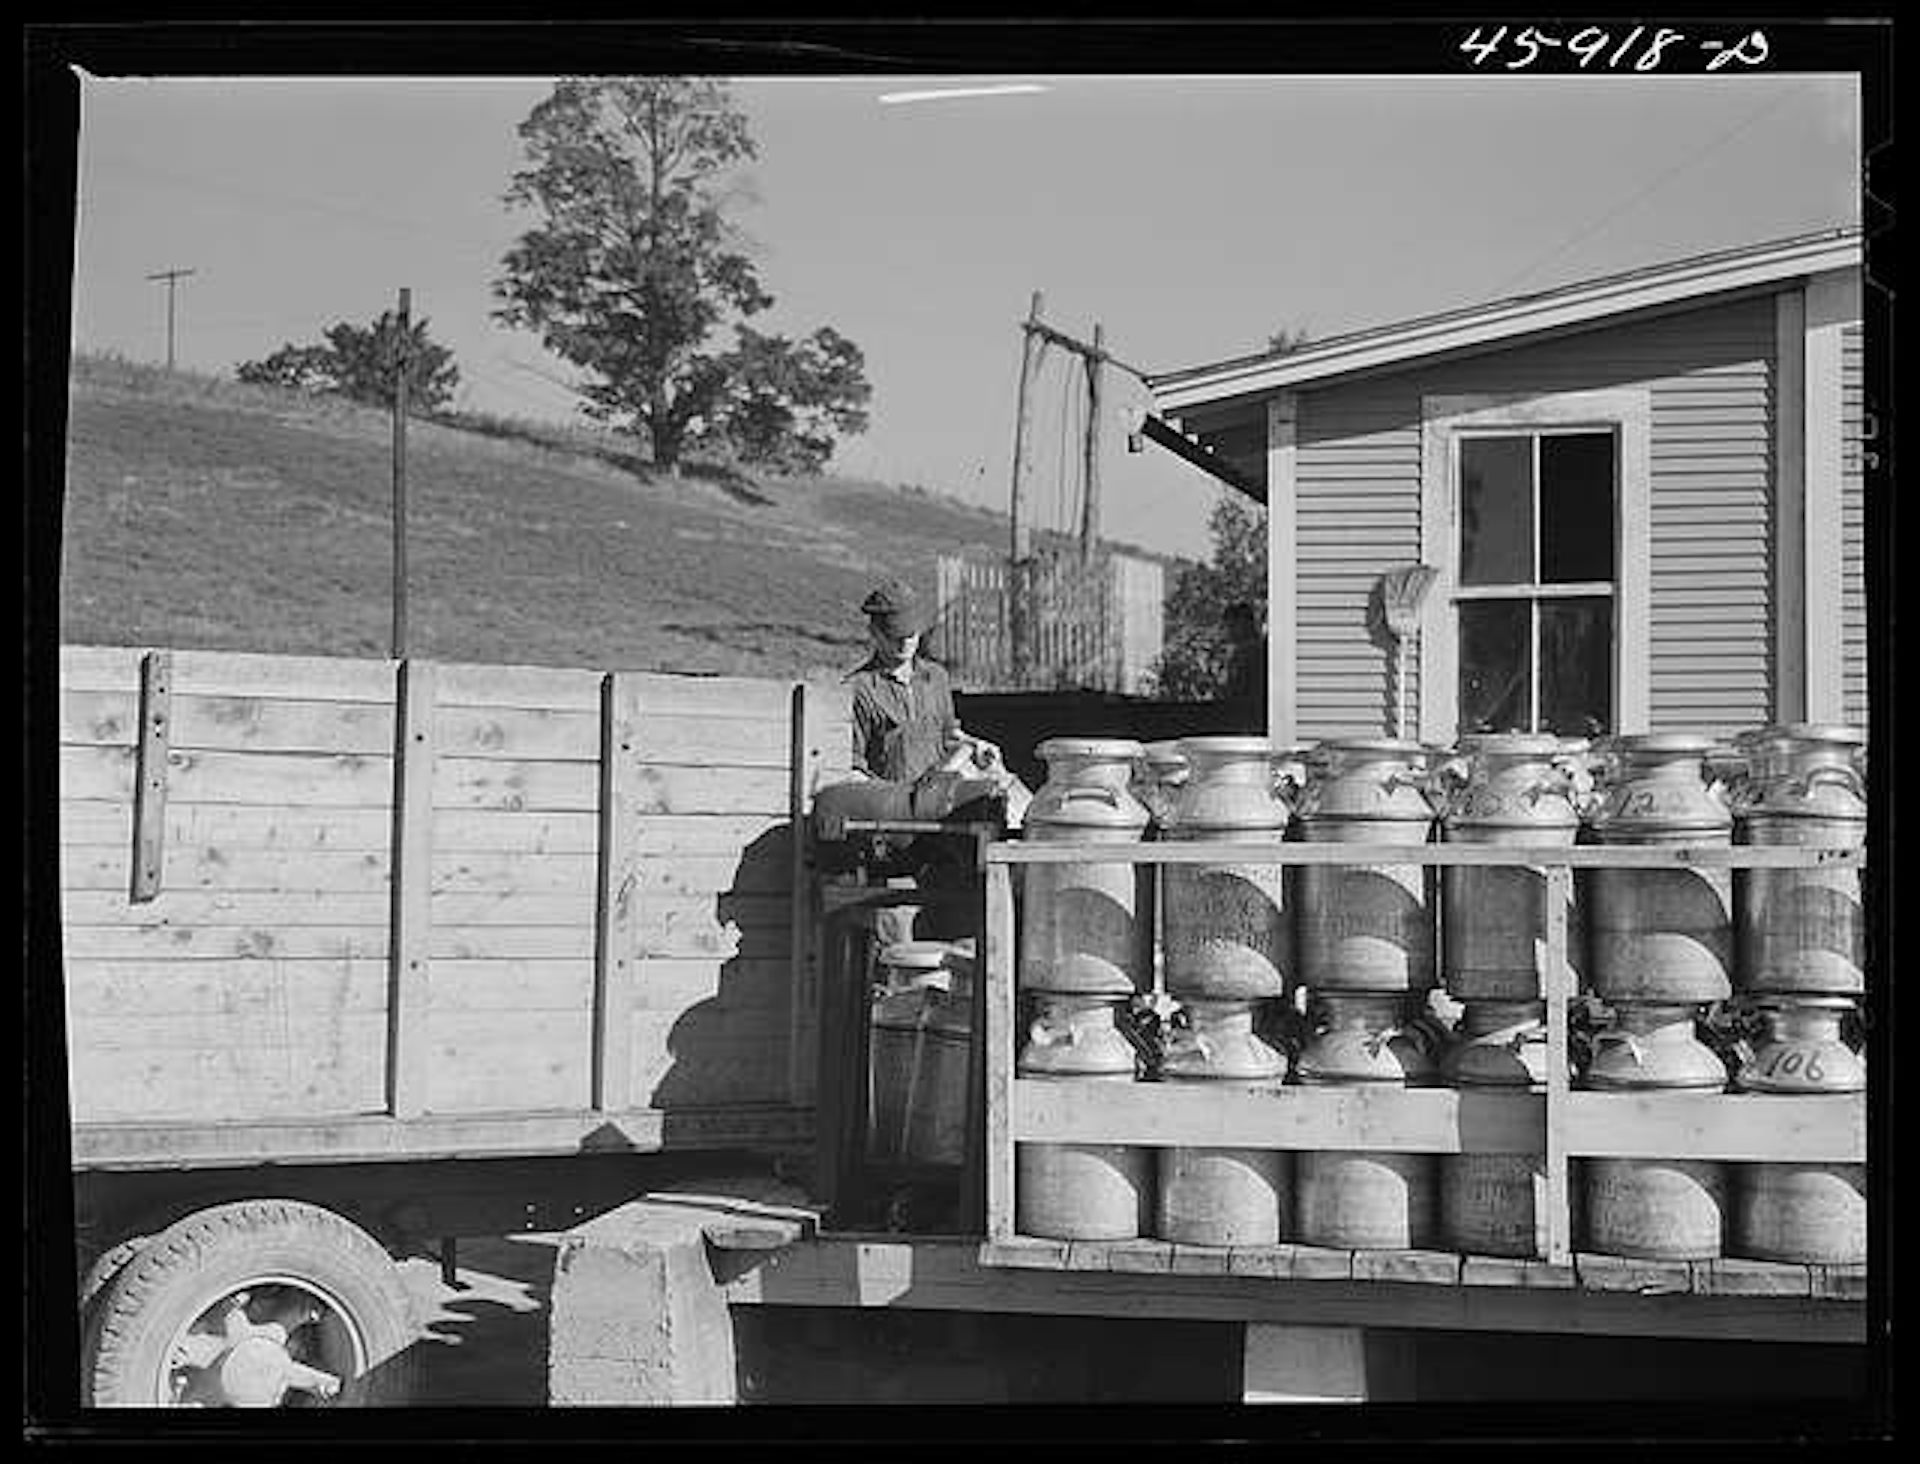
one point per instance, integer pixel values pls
(362, 957)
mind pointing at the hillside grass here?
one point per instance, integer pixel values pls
(200, 513)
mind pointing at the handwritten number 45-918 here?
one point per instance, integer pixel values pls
(1641, 48)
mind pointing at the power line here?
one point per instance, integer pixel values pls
(1659, 181)
(171, 276)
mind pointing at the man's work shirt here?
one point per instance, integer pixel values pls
(900, 728)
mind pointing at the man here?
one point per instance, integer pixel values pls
(905, 727)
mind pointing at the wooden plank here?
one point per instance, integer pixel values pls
(143, 992)
(515, 785)
(522, 872)
(477, 831)
(151, 755)
(712, 790)
(707, 741)
(409, 1075)
(100, 718)
(1557, 986)
(675, 984)
(223, 942)
(133, 1145)
(234, 724)
(1830, 1128)
(232, 828)
(269, 911)
(1642, 1277)
(321, 1065)
(1618, 856)
(1144, 1256)
(1319, 1263)
(1197, 1260)
(513, 942)
(1430, 1120)
(714, 833)
(301, 678)
(616, 906)
(99, 867)
(532, 688)
(996, 950)
(1421, 1267)
(100, 668)
(803, 973)
(536, 1061)
(700, 1057)
(345, 780)
(767, 870)
(1733, 1276)
(747, 926)
(509, 907)
(1512, 1271)
(541, 734)
(506, 987)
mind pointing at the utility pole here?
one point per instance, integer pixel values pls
(1032, 344)
(401, 373)
(170, 276)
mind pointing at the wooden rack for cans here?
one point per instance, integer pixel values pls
(1560, 1123)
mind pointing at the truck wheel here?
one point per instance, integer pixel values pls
(101, 1271)
(258, 1304)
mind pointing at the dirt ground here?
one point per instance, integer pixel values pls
(485, 1338)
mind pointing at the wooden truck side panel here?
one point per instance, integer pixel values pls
(301, 889)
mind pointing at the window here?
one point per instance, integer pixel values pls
(1534, 512)
(1534, 596)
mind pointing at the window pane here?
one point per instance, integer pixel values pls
(1576, 507)
(1576, 666)
(1496, 511)
(1495, 674)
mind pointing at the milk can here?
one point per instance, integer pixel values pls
(1653, 1045)
(1221, 1195)
(1657, 1209)
(1498, 1044)
(1518, 790)
(1158, 778)
(1359, 1037)
(1801, 930)
(937, 1109)
(913, 972)
(1083, 924)
(1813, 1213)
(1226, 927)
(1661, 934)
(1072, 1191)
(1365, 927)
(1364, 1201)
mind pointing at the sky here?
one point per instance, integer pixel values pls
(1189, 217)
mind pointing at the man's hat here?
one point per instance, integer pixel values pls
(896, 610)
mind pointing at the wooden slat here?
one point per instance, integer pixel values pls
(504, 987)
(535, 688)
(704, 741)
(293, 779)
(672, 984)
(1433, 1120)
(480, 1064)
(323, 1064)
(410, 950)
(193, 908)
(518, 733)
(515, 785)
(510, 907)
(803, 975)
(766, 871)
(234, 723)
(231, 829)
(1755, 1127)
(300, 678)
(105, 867)
(1557, 987)
(513, 942)
(997, 950)
(712, 790)
(100, 668)
(151, 757)
(223, 942)
(457, 872)
(616, 907)
(152, 991)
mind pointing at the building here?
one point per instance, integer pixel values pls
(1639, 499)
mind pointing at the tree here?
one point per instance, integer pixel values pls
(1196, 663)
(633, 269)
(1286, 340)
(362, 364)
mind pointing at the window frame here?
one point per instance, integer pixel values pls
(1445, 422)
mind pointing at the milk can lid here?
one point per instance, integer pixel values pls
(922, 955)
(1121, 748)
(1230, 744)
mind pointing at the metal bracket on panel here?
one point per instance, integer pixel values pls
(151, 753)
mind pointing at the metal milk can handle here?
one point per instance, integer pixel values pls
(1106, 795)
(1041, 1035)
(1803, 785)
(1631, 1042)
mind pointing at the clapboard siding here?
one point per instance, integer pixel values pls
(1709, 378)
(255, 984)
(1853, 573)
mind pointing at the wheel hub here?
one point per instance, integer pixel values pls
(247, 1364)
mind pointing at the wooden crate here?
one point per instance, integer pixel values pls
(330, 908)
(1559, 1123)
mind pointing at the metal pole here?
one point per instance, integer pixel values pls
(1022, 535)
(400, 481)
(1090, 501)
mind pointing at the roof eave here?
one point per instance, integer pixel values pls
(1504, 320)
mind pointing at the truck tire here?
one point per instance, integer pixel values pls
(261, 1303)
(101, 1271)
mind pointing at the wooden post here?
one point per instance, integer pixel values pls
(803, 975)
(1558, 987)
(399, 651)
(1032, 346)
(996, 974)
(1090, 501)
(150, 774)
(616, 910)
(409, 941)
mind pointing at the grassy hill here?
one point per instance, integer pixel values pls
(201, 513)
